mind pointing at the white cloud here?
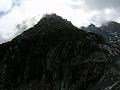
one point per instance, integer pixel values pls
(25, 11)
(79, 12)
(5, 5)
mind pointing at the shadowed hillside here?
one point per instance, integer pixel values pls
(53, 55)
(111, 32)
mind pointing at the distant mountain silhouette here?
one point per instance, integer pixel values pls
(53, 55)
(111, 32)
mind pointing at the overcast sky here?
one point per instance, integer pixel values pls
(79, 12)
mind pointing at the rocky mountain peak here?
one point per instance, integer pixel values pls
(53, 55)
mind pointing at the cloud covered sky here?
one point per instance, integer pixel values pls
(79, 12)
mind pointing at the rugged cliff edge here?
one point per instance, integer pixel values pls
(53, 55)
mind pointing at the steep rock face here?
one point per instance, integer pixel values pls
(53, 55)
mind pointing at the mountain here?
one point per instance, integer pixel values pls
(111, 32)
(53, 55)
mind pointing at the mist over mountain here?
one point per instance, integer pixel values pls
(54, 55)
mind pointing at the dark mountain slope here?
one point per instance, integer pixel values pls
(53, 55)
(111, 32)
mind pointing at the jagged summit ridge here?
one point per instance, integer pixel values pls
(54, 19)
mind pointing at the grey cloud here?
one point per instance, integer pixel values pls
(97, 4)
(113, 7)
(102, 17)
(101, 4)
(17, 2)
(99, 19)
